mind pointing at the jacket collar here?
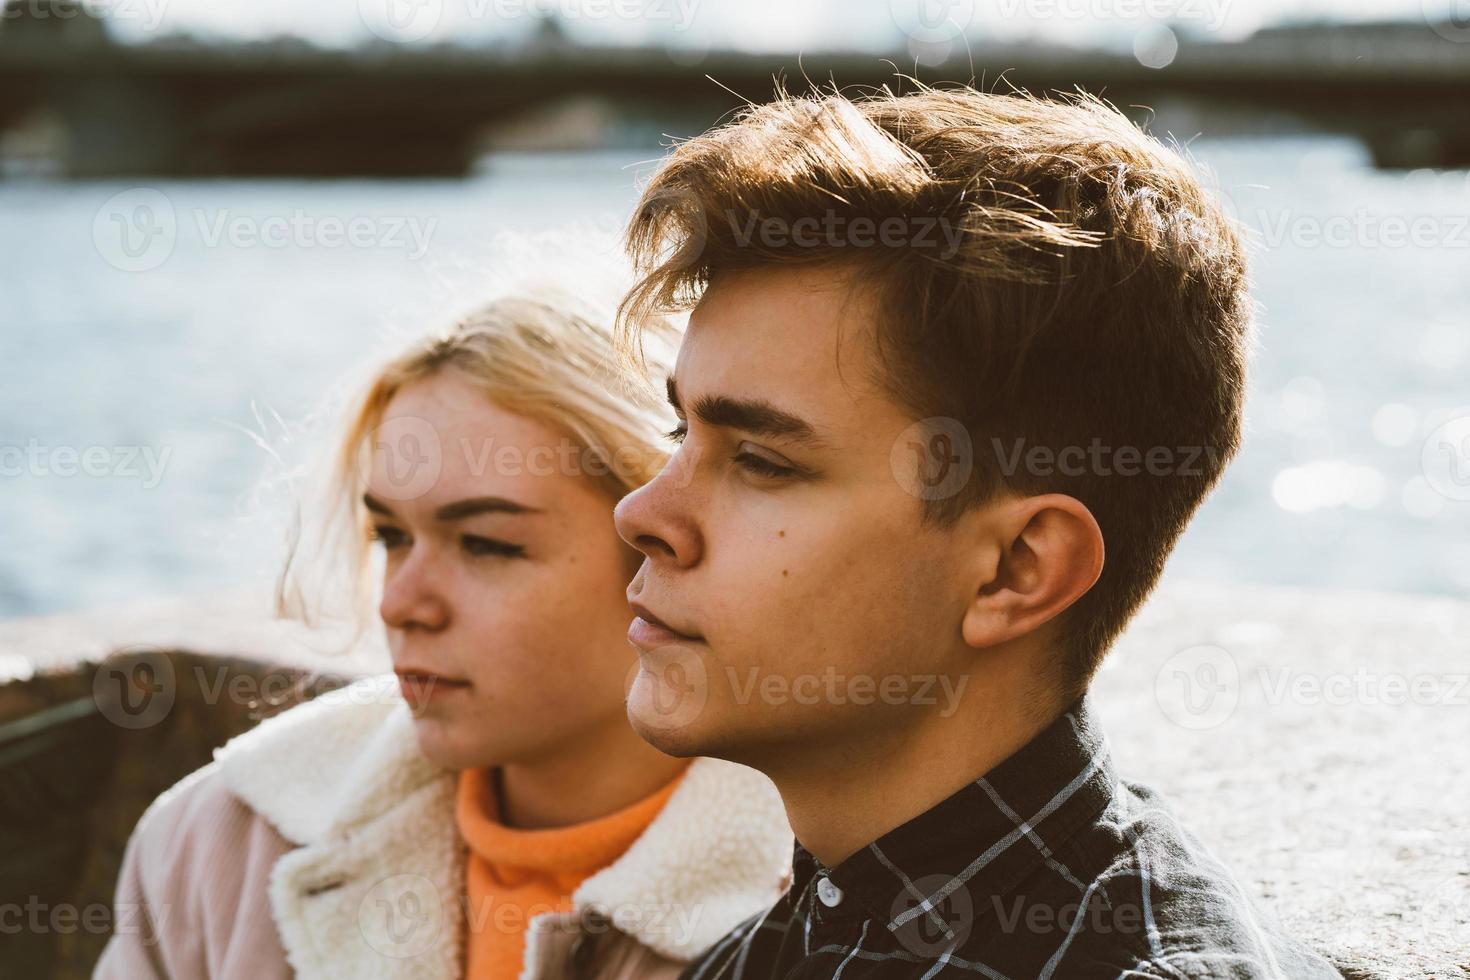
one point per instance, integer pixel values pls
(346, 764)
(340, 759)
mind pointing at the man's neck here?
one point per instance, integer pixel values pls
(847, 795)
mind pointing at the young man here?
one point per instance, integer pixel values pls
(959, 369)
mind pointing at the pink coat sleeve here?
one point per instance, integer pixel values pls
(192, 897)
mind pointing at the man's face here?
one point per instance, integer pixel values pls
(811, 600)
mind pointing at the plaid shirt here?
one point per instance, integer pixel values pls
(1047, 866)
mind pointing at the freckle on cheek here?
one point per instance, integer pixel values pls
(784, 573)
(781, 534)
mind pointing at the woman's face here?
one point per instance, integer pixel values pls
(503, 591)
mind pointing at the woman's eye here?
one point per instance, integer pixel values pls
(677, 433)
(389, 537)
(483, 547)
(760, 466)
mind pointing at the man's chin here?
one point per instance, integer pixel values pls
(670, 734)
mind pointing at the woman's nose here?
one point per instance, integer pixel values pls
(411, 598)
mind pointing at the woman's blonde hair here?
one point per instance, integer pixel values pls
(538, 351)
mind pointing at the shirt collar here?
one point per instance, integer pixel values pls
(978, 844)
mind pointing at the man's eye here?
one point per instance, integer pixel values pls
(483, 547)
(760, 466)
(389, 537)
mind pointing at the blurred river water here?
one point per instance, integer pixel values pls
(146, 329)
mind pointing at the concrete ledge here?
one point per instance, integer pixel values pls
(1336, 787)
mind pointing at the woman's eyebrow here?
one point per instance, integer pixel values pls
(376, 506)
(482, 505)
(753, 415)
(460, 509)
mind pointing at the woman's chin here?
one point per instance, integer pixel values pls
(449, 746)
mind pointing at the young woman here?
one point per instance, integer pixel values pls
(487, 812)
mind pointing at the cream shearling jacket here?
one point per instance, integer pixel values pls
(323, 845)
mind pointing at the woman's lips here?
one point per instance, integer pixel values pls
(420, 687)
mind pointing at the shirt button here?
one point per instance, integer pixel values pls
(829, 893)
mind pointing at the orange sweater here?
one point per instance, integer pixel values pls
(514, 875)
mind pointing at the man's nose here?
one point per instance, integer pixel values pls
(658, 520)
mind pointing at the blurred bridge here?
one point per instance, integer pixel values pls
(287, 108)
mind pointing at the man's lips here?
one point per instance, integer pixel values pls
(648, 630)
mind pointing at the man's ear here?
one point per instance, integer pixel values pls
(1050, 552)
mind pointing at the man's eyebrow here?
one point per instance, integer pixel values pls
(460, 508)
(753, 415)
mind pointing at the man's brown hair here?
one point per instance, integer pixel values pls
(1046, 275)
